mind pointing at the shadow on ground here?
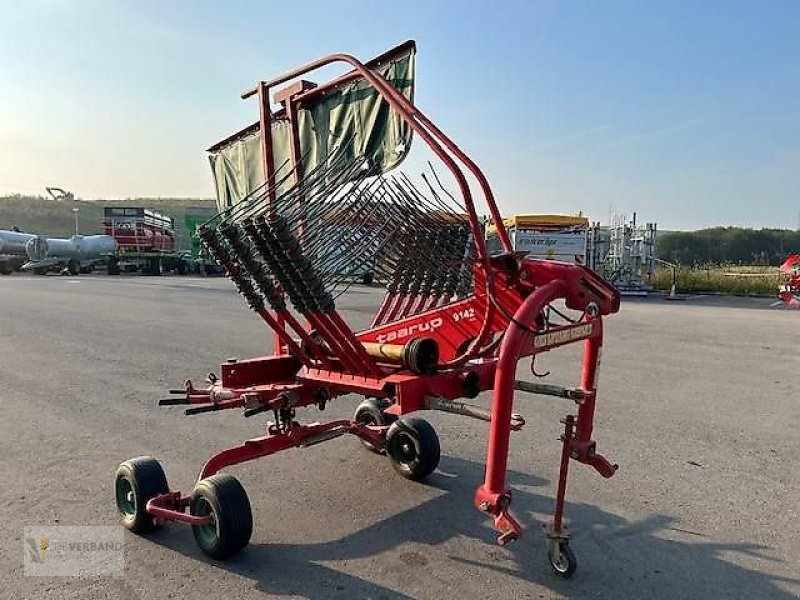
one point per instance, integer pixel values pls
(618, 558)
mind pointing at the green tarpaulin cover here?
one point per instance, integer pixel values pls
(353, 120)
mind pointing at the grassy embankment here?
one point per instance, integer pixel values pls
(723, 279)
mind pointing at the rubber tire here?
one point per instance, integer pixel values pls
(233, 518)
(370, 412)
(74, 267)
(147, 480)
(113, 267)
(182, 268)
(6, 267)
(424, 441)
(564, 563)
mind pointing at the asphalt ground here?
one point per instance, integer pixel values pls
(698, 405)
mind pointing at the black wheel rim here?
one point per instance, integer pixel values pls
(559, 558)
(366, 419)
(404, 450)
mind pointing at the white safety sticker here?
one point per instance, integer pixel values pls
(563, 336)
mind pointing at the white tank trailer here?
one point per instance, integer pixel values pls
(12, 250)
(12, 243)
(76, 253)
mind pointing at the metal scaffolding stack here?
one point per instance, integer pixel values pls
(624, 254)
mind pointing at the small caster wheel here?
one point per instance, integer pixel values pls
(413, 446)
(136, 482)
(224, 498)
(562, 560)
(370, 412)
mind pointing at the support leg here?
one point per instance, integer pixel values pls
(556, 529)
(493, 497)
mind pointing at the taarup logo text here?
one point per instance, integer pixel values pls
(410, 330)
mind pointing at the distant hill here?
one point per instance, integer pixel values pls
(44, 216)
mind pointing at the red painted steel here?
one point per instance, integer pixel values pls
(561, 492)
(505, 375)
(267, 161)
(171, 507)
(296, 437)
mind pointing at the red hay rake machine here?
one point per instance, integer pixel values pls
(789, 292)
(306, 208)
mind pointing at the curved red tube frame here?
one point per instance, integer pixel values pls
(431, 134)
(511, 349)
(494, 497)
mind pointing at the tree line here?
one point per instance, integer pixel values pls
(728, 245)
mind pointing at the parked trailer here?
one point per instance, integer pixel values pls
(10, 263)
(12, 250)
(40, 254)
(623, 252)
(146, 241)
(546, 237)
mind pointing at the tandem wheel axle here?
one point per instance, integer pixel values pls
(218, 508)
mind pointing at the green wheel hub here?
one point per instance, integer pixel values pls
(126, 498)
(136, 482)
(208, 533)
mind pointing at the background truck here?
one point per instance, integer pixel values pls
(553, 237)
(146, 241)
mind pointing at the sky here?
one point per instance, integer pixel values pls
(686, 112)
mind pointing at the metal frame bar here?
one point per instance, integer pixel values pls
(431, 134)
